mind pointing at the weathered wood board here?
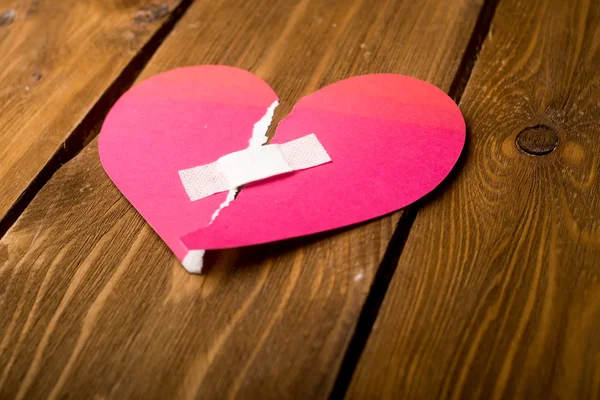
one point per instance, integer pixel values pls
(59, 58)
(496, 294)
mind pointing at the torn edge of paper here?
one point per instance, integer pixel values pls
(194, 259)
(258, 138)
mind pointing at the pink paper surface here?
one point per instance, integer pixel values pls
(392, 139)
(176, 120)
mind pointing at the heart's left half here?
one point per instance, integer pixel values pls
(391, 139)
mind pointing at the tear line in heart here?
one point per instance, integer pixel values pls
(193, 261)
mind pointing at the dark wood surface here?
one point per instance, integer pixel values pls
(496, 294)
(95, 304)
(59, 58)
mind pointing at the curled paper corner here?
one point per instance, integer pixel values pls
(193, 262)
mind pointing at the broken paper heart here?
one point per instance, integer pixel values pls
(174, 142)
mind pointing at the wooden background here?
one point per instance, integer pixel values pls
(487, 288)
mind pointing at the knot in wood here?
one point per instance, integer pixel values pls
(7, 17)
(537, 140)
(151, 13)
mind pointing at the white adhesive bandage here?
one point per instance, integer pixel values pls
(252, 164)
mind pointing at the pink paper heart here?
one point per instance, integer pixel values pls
(392, 139)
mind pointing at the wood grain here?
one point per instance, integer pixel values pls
(496, 294)
(58, 59)
(95, 304)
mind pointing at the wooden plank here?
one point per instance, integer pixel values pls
(58, 59)
(496, 294)
(95, 304)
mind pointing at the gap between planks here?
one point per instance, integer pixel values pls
(388, 265)
(89, 126)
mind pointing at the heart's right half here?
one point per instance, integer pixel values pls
(391, 138)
